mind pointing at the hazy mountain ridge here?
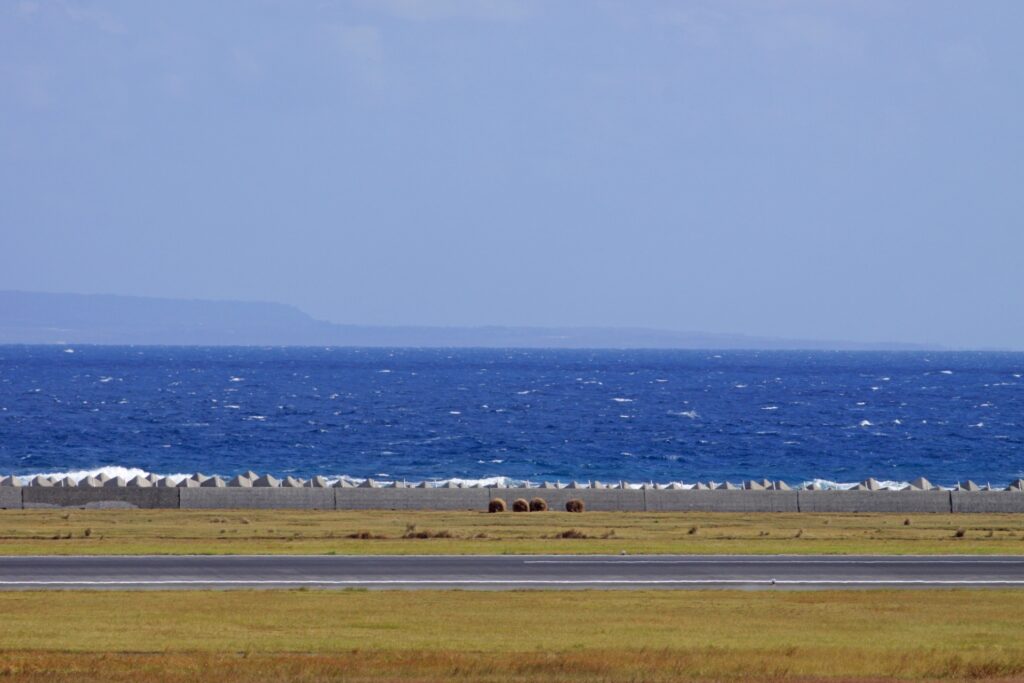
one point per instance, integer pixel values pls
(46, 318)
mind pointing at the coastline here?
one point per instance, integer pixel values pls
(252, 491)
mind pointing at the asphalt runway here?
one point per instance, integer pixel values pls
(510, 572)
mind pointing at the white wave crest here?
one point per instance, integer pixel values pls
(830, 485)
(111, 471)
(384, 479)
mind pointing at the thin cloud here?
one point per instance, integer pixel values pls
(26, 8)
(357, 41)
(772, 27)
(360, 48)
(433, 10)
(31, 85)
(245, 66)
(96, 18)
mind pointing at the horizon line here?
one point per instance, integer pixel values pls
(758, 342)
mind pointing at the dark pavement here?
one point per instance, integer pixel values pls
(509, 572)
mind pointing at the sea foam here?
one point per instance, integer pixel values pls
(384, 479)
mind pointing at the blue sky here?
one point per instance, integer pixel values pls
(815, 169)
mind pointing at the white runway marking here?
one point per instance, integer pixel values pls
(837, 561)
(516, 582)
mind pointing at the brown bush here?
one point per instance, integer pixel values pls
(538, 505)
(497, 505)
(364, 535)
(520, 505)
(574, 505)
(571, 533)
(426, 533)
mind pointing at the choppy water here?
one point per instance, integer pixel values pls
(522, 414)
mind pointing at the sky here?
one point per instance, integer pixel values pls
(819, 170)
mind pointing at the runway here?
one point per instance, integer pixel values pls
(509, 572)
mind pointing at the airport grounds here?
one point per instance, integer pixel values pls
(521, 635)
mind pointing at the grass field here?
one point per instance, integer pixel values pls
(90, 532)
(524, 636)
(521, 636)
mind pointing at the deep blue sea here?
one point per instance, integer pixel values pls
(532, 415)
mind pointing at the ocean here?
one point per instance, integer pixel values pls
(524, 415)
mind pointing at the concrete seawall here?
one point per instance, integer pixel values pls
(257, 498)
(987, 501)
(253, 492)
(411, 499)
(722, 501)
(45, 497)
(876, 501)
(10, 498)
(597, 500)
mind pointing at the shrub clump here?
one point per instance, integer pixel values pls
(497, 505)
(574, 505)
(960, 533)
(443, 533)
(571, 533)
(538, 505)
(520, 505)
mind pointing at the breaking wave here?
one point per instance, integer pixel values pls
(127, 473)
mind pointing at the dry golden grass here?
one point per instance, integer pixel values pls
(424, 667)
(459, 635)
(90, 532)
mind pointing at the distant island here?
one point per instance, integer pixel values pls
(47, 318)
